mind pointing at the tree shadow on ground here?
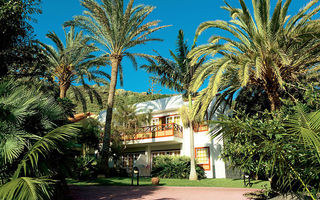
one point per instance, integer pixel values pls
(110, 192)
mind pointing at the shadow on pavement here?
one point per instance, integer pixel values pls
(110, 192)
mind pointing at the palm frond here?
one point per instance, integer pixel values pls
(27, 188)
(44, 145)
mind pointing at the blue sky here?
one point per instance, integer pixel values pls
(180, 14)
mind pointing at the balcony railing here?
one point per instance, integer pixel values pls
(201, 127)
(156, 131)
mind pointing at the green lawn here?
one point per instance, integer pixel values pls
(232, 183)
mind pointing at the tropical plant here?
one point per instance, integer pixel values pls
(17, 52)
(281, 147)
(117, 30)
(85, 167)
(31, 142)
(265, 50)
(89, 135)
(307, 127)
(165, 166)
(73, 63)
(176, 74)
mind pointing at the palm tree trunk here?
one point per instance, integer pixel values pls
(193, 174)
(115, 62)
(273, 96)
(63, 87)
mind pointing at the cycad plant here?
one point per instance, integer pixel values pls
(116, 29)
(176, 74)
(266, 49)
(74, 63)
(29, 135)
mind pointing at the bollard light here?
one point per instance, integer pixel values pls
(135, 172)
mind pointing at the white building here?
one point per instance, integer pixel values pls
(167, 136)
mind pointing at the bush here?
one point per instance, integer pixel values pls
(85, 168)
(174, 167)
(118, 172)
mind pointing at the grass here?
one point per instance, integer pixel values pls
(120, 181)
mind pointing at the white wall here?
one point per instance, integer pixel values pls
(161, 105)
(170, 105)
(203, 139)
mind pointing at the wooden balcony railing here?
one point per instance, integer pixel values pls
(156, 131)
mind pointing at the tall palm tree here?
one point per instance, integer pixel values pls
(117, 30)
(265, 50)
(176, 74)
(74, 62)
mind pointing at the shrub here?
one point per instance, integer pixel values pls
(166, 166)
(85, 168)
(118, 172)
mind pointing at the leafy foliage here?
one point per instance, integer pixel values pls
(270, 146)
(29, 136)
(121, 97)
(85, 168)
(26, 188)
(116, 29)
(174, 167)
(89, 133)
(18, 53)
(175, 74)
(75, 63)
(266, 50)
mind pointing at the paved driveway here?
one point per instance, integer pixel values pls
(155, 193)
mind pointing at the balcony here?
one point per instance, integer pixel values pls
(157, 133)
(202, 127)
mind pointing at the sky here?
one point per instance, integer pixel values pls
(180, 14)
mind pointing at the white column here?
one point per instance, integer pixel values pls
(220, 168)
(148, 156)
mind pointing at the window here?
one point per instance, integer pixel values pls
(171, 152)
(155, 121)
(129, 158)
(202, 155)
(159, 153)
(173, 119)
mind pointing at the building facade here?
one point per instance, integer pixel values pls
(167, 136)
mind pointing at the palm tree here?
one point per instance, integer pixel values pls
(73, 63)
(176, 74)
(265, 50)
(30, 139)
(117, 30)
